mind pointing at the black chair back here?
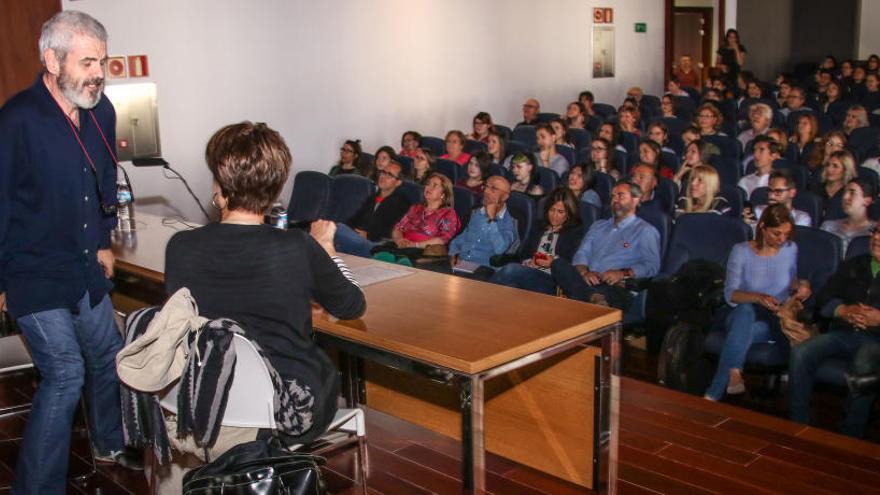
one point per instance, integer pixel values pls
(691, 239)
(310, 196)
(348, 193)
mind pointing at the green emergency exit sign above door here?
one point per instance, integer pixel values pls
(641, 27)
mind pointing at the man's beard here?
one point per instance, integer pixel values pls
(77, 92)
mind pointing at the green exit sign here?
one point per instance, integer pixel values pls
(641, 27)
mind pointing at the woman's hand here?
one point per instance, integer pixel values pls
(802, 291)
(544, 262)
(768, 302)
(323, 231)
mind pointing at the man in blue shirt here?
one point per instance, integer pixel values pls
(57, 209)
(490, 231)
(622, 247)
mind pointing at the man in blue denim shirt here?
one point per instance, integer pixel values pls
(57, 209)
(622, 247)
(491, 229)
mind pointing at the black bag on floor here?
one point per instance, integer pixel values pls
(681, 365)
(257, 468)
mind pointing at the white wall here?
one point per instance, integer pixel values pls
(323, 71)
(869, 35)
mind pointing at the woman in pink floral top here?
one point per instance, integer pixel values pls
(434, 221)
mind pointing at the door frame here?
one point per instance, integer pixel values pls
(669, 19)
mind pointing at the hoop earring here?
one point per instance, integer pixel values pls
(214, 202)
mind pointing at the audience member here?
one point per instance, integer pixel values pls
(644, 175)
(650, 153)
(530, 111)
(477, 173)
(709, 120)
(702, 194)
(433, 221)
(760, 117)
(497, 146)
(423, 164)
(482, 125)
(547, 155)
(600, 157)
(856, 117)
(410, 143)
(837, 172)
(696, 153)
(576, 115)
(767, 150)
(613, 251)
(795, 102)
(581, 182)
(804, 137)
(871, 99)
(857, 197)
(524, 167)
(686, 73)
(673, 87)
(689, 135)
(629, 120)
(668, 107)
(761, 274)
(558, 235)
(350, 160)
(376, 218)
(560, 129)
(490, 231)
(587, 99)
(732, 55)
(455, 148)
(832, 141)
(849, 300)
(781, 189)
(381, 159)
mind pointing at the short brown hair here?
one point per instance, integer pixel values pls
(250, 163)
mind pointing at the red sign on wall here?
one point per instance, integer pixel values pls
(603, 15)
(137, 66)
(116, 67)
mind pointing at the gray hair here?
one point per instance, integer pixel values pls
(58, 32)
(634, 189)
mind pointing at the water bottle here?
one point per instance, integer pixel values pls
(278, 216)
(124, 209)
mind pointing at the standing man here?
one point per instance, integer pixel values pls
(57, 209)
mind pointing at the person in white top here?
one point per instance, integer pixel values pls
(766, 151)
(857, 197)
(781, 189)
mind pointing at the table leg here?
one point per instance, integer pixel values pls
(353, 388)
(473, 459)
(609, 409)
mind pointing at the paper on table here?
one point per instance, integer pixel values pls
(375, 273)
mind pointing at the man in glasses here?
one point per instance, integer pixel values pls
(851, 302)
(377, 217)
(781, 189)
(530, 111)
(57, 209)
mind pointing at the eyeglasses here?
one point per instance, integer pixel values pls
(598, 148)
(780, 190)
(493, 187)
(346, 150)
(389, 174)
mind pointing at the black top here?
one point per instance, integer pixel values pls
(51, 223)
(852, 283)
(265, 278)
(379, 222)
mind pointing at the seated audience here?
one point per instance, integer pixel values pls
(525, 174)
(709, 120)
(849, 300)
(482, 124)
(796, 102)
(410, 143)
(576, 115)
(581, 180)
(689, 135)
(381, 159)
(560, 128)
(702, 193)
(490, 231)
(431, 222)
(804, 137)
(558, 235)
(497, 147)
(828, 144)
(760, 117)
(600, 158)
(781, 189)
(530, 111)
(277, 275)
(696, 153)
(650, 153)
(614, 250)
(350, 160)
(477, 173)
(644, 175)
(586, 99)
(629, 120)
(611, 132)
(455, 148)
(635, 93)
(659, 133)
(766, 151)
(673, 87)
(546, 156)
(857, 197)
(423, 164)
(668, 107)
(761, 274)
(856, 117)
(377, 217)
(837, 172)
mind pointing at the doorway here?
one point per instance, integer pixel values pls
(692, 35)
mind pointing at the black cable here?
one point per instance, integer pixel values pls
(191, 193)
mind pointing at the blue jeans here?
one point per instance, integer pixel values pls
(807, 357)
(574, 286)
(522, 277)
(348, 241)
(747, 324)
(69, 350)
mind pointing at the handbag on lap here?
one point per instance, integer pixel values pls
(257, 468)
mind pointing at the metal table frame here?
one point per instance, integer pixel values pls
(471, 395)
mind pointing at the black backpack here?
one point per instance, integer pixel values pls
(681, 365)
(692, 294)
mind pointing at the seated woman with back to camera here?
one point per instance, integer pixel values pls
(559, 235)
(276, 273)
(702, 193)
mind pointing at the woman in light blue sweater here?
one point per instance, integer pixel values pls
(761, 276)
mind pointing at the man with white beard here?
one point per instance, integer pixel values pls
(57, 209)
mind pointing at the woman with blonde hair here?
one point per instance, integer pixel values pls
(839, 169)
(702, 194)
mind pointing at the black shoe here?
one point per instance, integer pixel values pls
(863, 384)
(127, 458)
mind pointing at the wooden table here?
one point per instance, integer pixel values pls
(513, 356)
